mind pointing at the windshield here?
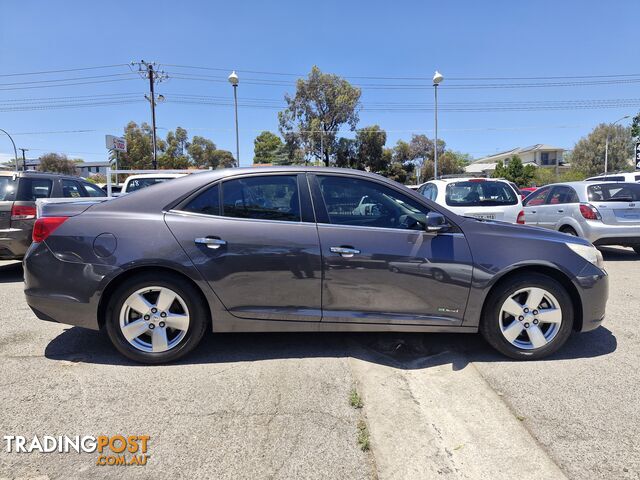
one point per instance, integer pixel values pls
(480, 194)
(139, 183)
(614, 192)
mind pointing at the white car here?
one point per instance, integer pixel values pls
(138, 182)
(616, 177)
(485, 198)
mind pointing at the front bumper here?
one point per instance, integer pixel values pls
(63, 291)
(14, 243)
(593, 289)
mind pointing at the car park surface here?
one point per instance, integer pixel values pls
(330, 239)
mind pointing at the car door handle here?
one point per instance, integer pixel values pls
(533, 211)
(560, 211)
(211, 242)
(346, 252)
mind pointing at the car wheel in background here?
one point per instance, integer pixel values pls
(152, 320)
(529, 317)
(569, 231)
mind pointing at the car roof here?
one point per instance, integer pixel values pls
(156, 175)
(36, 174)
(466, 179)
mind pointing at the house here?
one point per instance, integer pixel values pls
(539, 155)
(86, 169)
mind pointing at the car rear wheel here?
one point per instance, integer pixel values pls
(569, 231)
(152, 320)
(529, 317)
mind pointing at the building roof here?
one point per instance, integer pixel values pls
(538, 147)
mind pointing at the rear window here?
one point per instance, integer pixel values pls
(612, 178)
(7, 189)
(140, 183)
(609, 192)
(480, 194)
(31, 189)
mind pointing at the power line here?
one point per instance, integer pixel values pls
(68, 84)
(43, 72)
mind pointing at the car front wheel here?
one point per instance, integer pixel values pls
(155, 320)
(529, 317)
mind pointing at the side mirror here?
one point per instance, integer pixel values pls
(436, 222)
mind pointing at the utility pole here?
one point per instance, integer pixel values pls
(24, 160)
(148, 70)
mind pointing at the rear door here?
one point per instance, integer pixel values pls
(255, 241)
(556, 206)
(618, 203)
(533, 204)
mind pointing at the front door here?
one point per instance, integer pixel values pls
(380, 266)
(253, 238)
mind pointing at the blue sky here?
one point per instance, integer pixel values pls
(462, 39)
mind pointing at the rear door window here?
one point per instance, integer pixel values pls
(207, 203)
(484, 193)
(271, 197)
(563, 194)
(93, 191)
(72, 189)
(7, 188)
(31, 189)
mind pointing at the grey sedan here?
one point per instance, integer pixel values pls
(292, 249)
(605, 213)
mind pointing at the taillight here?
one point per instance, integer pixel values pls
(23, 212)
(589, 212)
(520, 219)
(45, 226)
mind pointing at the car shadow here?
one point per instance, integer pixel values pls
(408, 351)
(618, 254)
(11, 272)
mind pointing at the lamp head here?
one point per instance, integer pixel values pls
(233, 79)
(437, 78)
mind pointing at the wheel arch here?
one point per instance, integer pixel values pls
(554, 273)
(139, 270)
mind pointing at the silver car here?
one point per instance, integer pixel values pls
(605, 213)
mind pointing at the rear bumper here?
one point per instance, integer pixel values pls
(599, 233)
(594, 291)
(14, 243)
(62, 291)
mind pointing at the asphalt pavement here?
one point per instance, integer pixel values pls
(277, 405)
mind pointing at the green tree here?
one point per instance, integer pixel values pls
(224, 159)
(635, 126)
(174, 155)
(321, 105)
(139, 154)
(58, 163)
(395, 171)
(588, 153)
(370, 149)
(267, 148)
(346, 153)
(202, 152)
(515, 171)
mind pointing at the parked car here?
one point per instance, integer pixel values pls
(616, 177)
(18, 194)
(489, 199)
(287, 249)
(605, 213)
(137, 182)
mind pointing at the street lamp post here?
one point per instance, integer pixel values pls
(15, 151)
(606, 145)
(233, 80)
(437, 78)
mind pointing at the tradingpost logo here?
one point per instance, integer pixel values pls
(114, 450)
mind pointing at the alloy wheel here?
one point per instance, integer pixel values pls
(154, 319)
(530, 318)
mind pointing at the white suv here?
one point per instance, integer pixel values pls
(486, 198)
(616, 177)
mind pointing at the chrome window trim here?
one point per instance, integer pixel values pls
(385, 229)
(221, 217)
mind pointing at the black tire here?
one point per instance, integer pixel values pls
(490, 327)
(198, 317)
(438, 275)
(569, 231)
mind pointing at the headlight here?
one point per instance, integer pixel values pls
(589, 253)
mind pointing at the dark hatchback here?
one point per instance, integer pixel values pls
(18, 194)
(304, 249)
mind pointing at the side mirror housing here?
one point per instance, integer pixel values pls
(436, 222)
